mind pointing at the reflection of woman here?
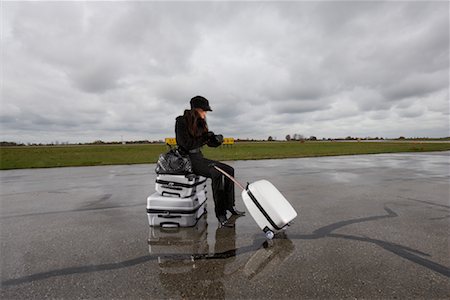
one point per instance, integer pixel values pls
(192, 133)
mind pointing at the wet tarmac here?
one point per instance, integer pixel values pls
(369, 226)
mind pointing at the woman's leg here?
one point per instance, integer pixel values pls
(227, 187)
(204, 167)
(227, 184)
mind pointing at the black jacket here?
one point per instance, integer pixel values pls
(188, 142)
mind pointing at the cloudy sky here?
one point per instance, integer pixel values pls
(82, 71)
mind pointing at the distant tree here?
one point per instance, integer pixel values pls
(313, 138)
(401, 138)
(270, 138)
(5, 143)
(288, 137)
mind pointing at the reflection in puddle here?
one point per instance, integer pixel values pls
(343, 177)
(269, 257)
(185, 263)
(177, 247)
(365, 168)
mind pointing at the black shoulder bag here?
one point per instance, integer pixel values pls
(173, 162)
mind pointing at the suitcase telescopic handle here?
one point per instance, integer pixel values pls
(231, 177)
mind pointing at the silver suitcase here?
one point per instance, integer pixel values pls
(270, 209)
(175, 211)
(179, 185)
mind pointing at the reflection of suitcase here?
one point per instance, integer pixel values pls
(173, 239)
(268, 258)
(175, 211)
(176, 247)
(179, 185)
(269, 208)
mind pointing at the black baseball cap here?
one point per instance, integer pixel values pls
(200, 102)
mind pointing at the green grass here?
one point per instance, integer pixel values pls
(64, 156)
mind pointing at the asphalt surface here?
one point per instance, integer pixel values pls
(368, 226)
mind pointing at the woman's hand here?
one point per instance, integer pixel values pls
(219, 138)
(214, 140)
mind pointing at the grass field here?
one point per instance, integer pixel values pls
(64, 156)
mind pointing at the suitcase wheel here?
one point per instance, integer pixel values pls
(269, 234)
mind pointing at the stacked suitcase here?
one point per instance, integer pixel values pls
(179, 200)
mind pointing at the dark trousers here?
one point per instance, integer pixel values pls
(222, 186)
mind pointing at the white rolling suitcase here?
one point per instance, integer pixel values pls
(175, 211)
(270, 209)
(179, 185)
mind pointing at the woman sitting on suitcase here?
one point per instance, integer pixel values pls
(191, 134)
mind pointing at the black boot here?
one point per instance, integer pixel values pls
(236, 212)
(223, 222)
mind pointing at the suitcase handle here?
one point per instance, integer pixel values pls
(169, 229)
(169, 225)
(231, 177)
(171, 194)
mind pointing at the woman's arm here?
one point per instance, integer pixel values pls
(214, 140)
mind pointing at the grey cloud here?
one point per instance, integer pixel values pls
(129, 68)
(411, 113)
(8, 119)
(299, 106)
(416, 85)
(162, 44)
(54, 34)
(97, 54)
(340, 16)
(378, 115)
(95, 78)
